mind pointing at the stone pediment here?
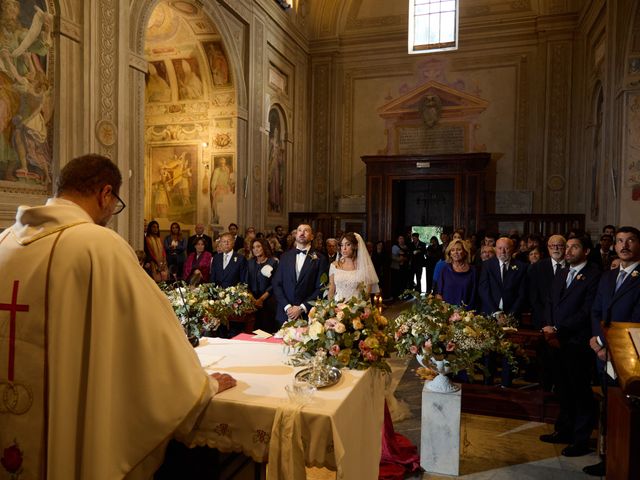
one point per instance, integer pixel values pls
(454, 103)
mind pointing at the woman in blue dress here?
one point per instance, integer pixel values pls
(458, 280)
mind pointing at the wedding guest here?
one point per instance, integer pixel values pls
(260, 271)
(534, 255)
(246, 250)
(434, 253)
(175, 246)
(458, 280)
(196, 268)
(573, 293)
(487, 252)
(332, 250)
(418, 259)
(238, 241)
(399, 266)
(299, 278)
(228, 268)
(154, 250)
(208, 243)
(144, 263)
(604, 255)
(617, 299)
(502, 289)
(276, 246)
(282, 238)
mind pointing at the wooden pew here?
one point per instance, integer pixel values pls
(623, 408)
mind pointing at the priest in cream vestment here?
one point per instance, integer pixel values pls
(96, 374)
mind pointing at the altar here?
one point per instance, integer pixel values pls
(340, 429)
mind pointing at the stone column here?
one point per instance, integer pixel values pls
(440, 431)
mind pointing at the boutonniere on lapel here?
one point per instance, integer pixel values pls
(634, 274)
(580, 277)
(235, 259)
(313, 256)
(514, 267)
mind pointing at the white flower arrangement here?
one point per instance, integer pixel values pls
(266, 271)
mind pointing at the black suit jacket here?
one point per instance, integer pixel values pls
(235, 273)
(208, 244)
(612, 306)
(571, 306)
(238, 243)
(304, 290)
(418, 255)
(512, 290)
(540, 287)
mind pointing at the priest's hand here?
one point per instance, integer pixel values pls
(225, 381)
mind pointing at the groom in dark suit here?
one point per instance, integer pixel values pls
(228, 268)
(573, 292)
(299, 278)
(502, 288)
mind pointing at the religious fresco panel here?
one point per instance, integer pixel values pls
(26, 95)
(172, 180)
(276, 162)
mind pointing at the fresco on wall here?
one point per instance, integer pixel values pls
(218, 63)
(26, 91)
(173, 177)
(222, 187)
(189, 79)
(157, 83)
(632, 146)
(276, 163)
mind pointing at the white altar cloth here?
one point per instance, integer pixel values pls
(341, 427)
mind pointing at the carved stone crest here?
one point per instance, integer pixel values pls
(430, 110)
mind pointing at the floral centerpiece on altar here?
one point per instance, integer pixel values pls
(353, 333)
(195, 308)
(202, 308)
(443, 332)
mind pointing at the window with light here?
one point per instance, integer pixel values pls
(433, 25)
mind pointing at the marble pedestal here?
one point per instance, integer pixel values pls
(440, 431)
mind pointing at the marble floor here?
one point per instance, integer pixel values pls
(491, 447)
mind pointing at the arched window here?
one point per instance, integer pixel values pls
(433, 25)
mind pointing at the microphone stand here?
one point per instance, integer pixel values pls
(193, 339)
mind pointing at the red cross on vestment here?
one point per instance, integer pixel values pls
(13, 308)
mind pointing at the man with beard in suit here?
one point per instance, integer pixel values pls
(572, 295)
(208, 243)
(541, 275)
(502, 289)
(299, 278)
(617, 300)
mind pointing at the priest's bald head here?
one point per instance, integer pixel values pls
(93, 182)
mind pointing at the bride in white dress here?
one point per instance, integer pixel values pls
(352, 274)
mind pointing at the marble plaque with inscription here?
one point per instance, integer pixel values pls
(439, 139)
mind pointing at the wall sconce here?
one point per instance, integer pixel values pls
(284, 4)
(205, 144)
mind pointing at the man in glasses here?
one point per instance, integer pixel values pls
(83, 391)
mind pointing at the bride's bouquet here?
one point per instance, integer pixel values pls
(353, 333)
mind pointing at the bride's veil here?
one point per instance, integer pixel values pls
(364, 266)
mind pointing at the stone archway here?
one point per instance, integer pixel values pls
(190, 135)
